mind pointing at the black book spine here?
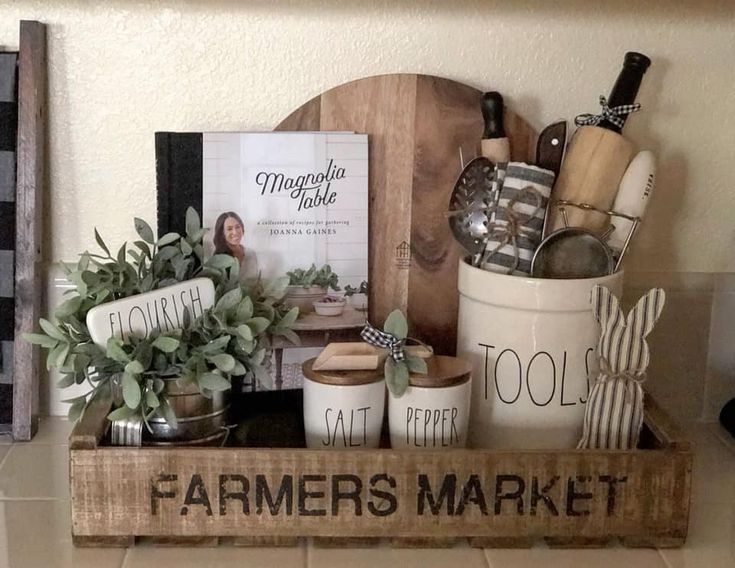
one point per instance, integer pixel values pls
(179, 176)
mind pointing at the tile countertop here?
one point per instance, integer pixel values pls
(35, 527)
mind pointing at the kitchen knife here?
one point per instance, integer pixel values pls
(550, 146)
(494, 146)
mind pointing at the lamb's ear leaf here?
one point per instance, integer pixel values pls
(396, 324)
(100, 242)
(416, 364)
(193, 222)
(396, 376)
(144, 230)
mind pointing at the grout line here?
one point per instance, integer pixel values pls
(665, 560)
(5, 457)
(720, 434)
(487, 558)
(307, 559)
(304, 546)
(124, 560)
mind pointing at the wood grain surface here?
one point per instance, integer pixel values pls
(416, 125)
(29, 224)
(441, 372)
(493, 498)
(593, 167)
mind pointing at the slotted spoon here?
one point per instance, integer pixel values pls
(471, 204)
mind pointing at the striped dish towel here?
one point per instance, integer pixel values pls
(514, 232)
(613, 416)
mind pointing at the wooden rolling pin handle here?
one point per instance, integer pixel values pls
(497, 150)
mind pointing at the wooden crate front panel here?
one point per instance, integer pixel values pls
(231, 492)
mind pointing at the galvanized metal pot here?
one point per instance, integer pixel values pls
(198, 417)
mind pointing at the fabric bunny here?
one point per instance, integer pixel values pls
(614, 414)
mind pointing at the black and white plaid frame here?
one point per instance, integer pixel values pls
(8, 141)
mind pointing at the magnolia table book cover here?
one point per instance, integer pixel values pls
(281, 201)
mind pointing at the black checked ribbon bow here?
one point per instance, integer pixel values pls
(612, 115)
(383, 339)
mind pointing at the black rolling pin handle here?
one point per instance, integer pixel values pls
(492, 113)
(626, 86)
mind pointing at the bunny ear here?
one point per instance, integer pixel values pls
(605, 305)
(647, 311)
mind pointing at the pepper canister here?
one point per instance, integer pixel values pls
(343, 410)
(434, 411)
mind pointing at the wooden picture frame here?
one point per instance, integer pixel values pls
(29, 224)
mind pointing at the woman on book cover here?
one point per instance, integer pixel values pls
(228, 233)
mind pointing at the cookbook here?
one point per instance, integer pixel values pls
(277, 201)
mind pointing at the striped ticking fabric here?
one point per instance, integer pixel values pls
(523, 194)
(614, 413)
(8, 133)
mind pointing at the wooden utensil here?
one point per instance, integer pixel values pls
(349, 356)
(598, 155)
(415, 123)
(632, 198)
(494, 145)
(550, 146)
(595, 163)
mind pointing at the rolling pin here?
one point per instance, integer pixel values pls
(598, 154)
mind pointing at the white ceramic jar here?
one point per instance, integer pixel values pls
(343, 410)
(531, 343)
(433, 413)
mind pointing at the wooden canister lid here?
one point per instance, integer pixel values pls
(442, 372)
(344, 378)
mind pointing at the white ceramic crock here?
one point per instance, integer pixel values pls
(343, 410)
(434, 412)
(531, 343)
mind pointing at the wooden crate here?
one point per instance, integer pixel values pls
(242, 496)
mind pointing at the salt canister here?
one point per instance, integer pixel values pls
(343, 410)
(434, 411)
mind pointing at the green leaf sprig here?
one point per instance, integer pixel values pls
(397, 372)
(231, 339)
(313, 276)
(351, 291)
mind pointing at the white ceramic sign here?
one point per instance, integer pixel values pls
(430, 418)
(531, 342)
(159, 310)
(343, 417)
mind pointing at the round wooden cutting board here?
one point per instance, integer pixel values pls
(415, 125)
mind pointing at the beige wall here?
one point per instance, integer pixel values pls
(120, 70)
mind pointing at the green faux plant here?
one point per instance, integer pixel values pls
(227, 340)
(397, 372)
(362, 289)
(322, 277)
